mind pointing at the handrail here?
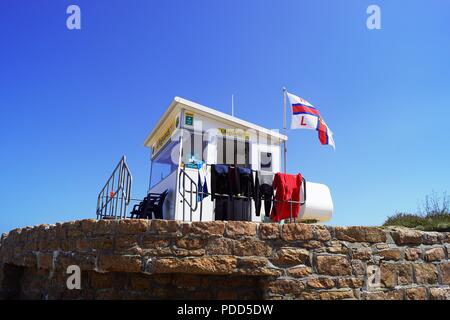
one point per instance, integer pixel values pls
(114, 198)
(190, 191)
(304, 192)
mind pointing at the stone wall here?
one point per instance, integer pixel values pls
(156, 259)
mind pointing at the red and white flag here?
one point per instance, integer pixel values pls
(306, 116)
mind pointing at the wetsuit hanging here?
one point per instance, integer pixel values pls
(263, 191)
(221, 191)
(287, 187)
(242, 205)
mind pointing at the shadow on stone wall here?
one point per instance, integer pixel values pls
(40, 284)
(10, 281)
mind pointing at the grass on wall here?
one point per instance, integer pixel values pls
(433, 215)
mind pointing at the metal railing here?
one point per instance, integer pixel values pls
(192, 194)
(113, 199)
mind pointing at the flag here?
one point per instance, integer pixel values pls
(306, 116)
(202, 191)
(325, 134)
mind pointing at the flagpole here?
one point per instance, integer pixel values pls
(284, 127)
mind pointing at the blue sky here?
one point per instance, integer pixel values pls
(72, 102)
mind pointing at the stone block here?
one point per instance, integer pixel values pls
(439, 294)
(238, 229)
(406, 236)
(268, 231)
(104, 243)
(101, 280)
(88, 226)
(390, 254)
(412, 254)
(120, 263)
(432, 237)
(337, 247)
(154, 242)
(163, 227)
(207, 229)
(139, 282)
(84, 260)
(354, 283)
(309, 295)
(133, 226)
(128, 244)
(73, 229)
(251, 247)
(26, 259)
(360, 234)
(283, 286)
(418, 293)
(184, 252)
(434, 254)
(299, 271)
(320, 283)
(336, 295)
(45, 261)
(290, 257)
(333, 265)
(311, 244)
(297, 232)
(384, 295)
(426, 273)
(60, 232)
(256, 266)
(104, 227)
(405, 273)
(388, 275)
(220, 246)
(361, 253)
(190, 244)
(321, 233)
(445, 272)
(216, 265)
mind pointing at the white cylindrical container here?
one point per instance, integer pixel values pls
(318, 205)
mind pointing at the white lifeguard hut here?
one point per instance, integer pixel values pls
(189, 133)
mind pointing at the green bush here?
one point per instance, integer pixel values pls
(434, 215)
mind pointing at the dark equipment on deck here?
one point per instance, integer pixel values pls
(152, 205)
